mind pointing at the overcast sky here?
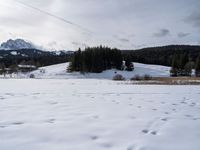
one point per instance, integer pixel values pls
(126, 24)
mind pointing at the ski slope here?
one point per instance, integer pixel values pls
(59, 72)
(92, 114)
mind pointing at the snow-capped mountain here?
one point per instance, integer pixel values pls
(21, 48)
(17, 44)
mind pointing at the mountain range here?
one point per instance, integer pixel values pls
(20, 47)
(17, 44)
(19, 50)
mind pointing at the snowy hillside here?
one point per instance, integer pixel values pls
(59, 72)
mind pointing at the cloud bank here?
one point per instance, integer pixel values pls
(61, 24)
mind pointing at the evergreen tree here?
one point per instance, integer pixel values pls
(188, 68)
(2, 69)
(183, 59)
(38, 64)
(117, 59)
(76, 62)
(13, 69)
(197, 67)
(174, 69)
(129, 64)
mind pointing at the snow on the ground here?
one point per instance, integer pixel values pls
(91, 114)
(59, 71)
(13, 53)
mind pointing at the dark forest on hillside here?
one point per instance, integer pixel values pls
(162, 55)
(98, 59)
(32, 57)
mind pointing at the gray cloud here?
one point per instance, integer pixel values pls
(43, 21)
(194, 19)
(54, 16)
(53, 43)
(138, 46)
(162, 33)
(124, 40)
(182, 34)
(79, 44)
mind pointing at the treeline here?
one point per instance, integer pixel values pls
(182, 65)
(29, 58)
(162, 55)
(37, 61)
(13, 62)
(98, 59)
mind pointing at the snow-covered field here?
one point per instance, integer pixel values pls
(93, 114)
(59, 72)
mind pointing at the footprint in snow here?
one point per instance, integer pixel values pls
(174, 109)
(145, 131)
(2, 126)
(189, 116)
(154, 132)
(53, 103)
(167, 113)
(50, 120)
(107, 145)
(96, 117)
(132, 117)
(10, 94)
(2, 98)
(17, 123)
(183, 102)
(36, 94)
(132, 147)
(174, 104)
(94, 137)
(192, 104)
(164, 119)
(196, 119)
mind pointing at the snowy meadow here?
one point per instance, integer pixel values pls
(96, 114)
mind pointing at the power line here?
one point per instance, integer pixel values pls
(54, 16)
